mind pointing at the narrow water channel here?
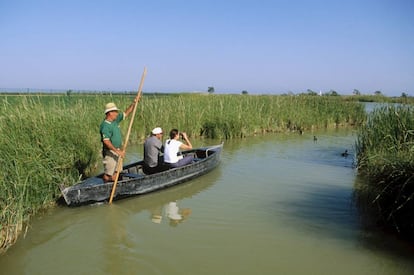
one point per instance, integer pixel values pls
(277, 204)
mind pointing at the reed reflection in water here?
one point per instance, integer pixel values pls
(279, 204)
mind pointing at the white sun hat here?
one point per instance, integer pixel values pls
(156, 131)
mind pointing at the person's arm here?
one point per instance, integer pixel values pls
(187, 145)
(131, 107)
(110, 146)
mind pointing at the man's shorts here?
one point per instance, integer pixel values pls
(110, 162)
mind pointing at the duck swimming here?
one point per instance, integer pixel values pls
(345, 154)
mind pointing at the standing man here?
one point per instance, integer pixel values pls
(112, 139)
(153, 161)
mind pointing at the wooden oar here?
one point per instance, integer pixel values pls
(119, 164)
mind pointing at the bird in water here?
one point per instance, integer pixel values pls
(315, 139)
(345, 154)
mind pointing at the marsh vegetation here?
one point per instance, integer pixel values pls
(385, 150)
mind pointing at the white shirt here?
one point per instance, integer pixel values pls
(171, 148)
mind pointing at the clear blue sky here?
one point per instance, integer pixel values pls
(233, 45)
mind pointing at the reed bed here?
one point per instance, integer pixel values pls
(42, 145)
(50, 140)
(385, 152)
(235, 116)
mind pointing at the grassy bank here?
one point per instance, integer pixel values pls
(385, 151)
(50, 140)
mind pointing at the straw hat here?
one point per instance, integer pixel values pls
(110, 107)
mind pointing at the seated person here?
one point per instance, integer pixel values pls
(173, 146)
(153, 161)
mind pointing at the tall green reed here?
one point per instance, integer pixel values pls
(45, 142)
(234, 116)
(385, 152)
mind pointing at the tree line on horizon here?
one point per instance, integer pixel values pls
(210, 90)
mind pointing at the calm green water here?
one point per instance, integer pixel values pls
(279, 204)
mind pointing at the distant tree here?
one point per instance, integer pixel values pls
(244, 92)
(310, 92)
(210, 90)
(333, 93)
(68, 92)
(356, 92)
(404, 97)
(378, 93)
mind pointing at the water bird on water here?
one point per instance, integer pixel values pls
(315, 139)
(345, 154)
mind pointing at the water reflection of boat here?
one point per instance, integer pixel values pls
(132, 181)
(158, 204)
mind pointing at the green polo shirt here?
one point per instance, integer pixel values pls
(112, 131)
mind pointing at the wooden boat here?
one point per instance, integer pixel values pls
(133, 181)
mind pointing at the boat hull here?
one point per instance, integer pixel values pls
(134, 182)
